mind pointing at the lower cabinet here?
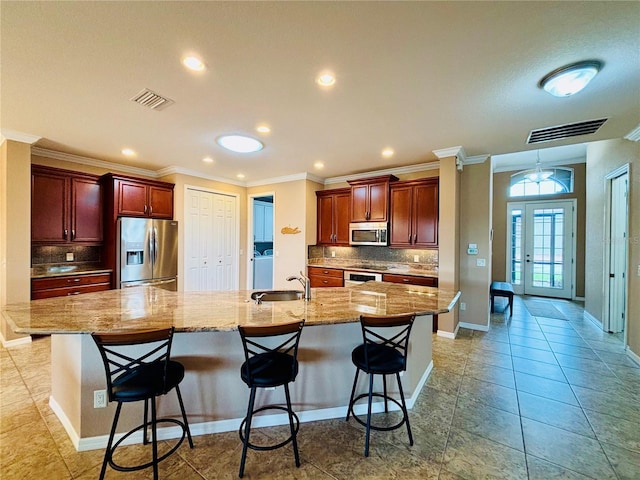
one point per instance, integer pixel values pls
(325, 277)
(69, 285)
(410, 279)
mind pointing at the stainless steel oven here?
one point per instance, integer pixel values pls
(356, 278)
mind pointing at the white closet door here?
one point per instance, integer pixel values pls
(211, 242)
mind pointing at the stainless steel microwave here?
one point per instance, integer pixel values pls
(368, 233)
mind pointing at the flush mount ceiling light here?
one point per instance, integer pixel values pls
(326, 79)
(538, 175)
(193, 63)
(240, 143)
(570, 79)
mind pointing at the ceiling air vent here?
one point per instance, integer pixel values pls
(565, 131)
(152, 100)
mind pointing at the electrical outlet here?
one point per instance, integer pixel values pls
(416, 258)
(333, 254)
(481, 262)
(99, 399)
(463, 306)
(69, 256)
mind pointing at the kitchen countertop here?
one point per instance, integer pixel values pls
(149, 307)
(417, 270)
(49, 271)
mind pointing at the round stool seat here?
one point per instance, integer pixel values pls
(270, 369)
(147, 381)
(380, 359)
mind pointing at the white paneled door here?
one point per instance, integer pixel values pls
(541, 241)
(211, 244)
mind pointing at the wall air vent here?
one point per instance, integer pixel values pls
(565, 131)
(152, 100)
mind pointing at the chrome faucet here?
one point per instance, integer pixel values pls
(304, 280)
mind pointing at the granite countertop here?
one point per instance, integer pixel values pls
(49, 271)
(149, 307)
(418, 270)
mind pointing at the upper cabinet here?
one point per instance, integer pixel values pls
(66, 207)
(370, 198)
(262, 221)
(333, 216)
(414, 214)
(134, 197)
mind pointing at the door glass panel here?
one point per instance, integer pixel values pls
(548, 255)
(516, 246)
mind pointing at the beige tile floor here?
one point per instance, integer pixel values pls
(535, 397)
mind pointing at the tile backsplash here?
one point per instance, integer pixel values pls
(375, 254)
(41, 255)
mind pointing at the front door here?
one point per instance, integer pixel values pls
(541, 236)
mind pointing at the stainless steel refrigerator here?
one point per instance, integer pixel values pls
(147, 253)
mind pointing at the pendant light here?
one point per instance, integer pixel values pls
(538, 175)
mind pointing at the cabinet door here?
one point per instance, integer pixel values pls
(325, 219)
(86, 210)
(160, 202)
(132, 198)
(258, 221)
(341, 204)
(401, 234)
(359, 203)
(49, 208)
(425, 208)
(378, 202)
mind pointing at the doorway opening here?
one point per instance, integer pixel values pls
(541, 246)
(616, 255)
(261, 223)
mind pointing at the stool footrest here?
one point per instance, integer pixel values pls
(275, 446)
(134, 468)
(377, 427)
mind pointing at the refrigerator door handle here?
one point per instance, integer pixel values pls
(151, 245)
(155, 244)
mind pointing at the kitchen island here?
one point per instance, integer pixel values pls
(209, 346)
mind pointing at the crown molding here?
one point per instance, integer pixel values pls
(476, 159)
(286, 178)
(457, 152)
(18, 137)
(633, 135)
(193, 173)
(395, 171)
(69, 157)
(521, 168)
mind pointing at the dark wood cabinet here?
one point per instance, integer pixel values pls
(414, 214)
(370, 198)
(333, 216)
(69, 285)
(66, 207)
(410, 279)
(325, 277)
(141, 198)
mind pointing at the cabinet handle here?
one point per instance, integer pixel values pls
(415, 238)
(409, 238)
(145, 209)
(66, 232)
(73, 234)
(69, 280)
(150, 209)
(73, 293)
(405, 280)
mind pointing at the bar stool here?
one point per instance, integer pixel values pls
(381, 355)
(138, 367)
(269, 363)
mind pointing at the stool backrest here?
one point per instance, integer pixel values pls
(121, 353)
(396, 327)
(283, 338)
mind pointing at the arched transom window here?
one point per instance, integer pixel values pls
(560, 181)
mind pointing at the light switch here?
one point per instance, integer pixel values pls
(639, 270)
(481, 262)
(416, 258)
(333, 254)
(69, 256)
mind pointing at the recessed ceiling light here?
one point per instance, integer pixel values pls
(326, 79)
(263, 129)
(193, 63)
(128, 152)
(387, 152)
(240, 143)
(318, 165)
(240, 176)
(207, 160)
(570, 79)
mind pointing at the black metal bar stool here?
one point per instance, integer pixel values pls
(139, 368)
(382, 355)
(271, 360)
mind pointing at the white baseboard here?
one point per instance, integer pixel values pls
(579, 299)
(474, 326)
(231, 425)
(451, 335)
(13, 343)
(632, 355)
(592, 319)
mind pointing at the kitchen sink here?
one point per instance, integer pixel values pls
(66, 268)
(276, 295)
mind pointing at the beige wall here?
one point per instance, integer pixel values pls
(602, 158)
(475, 227)
(501, 197)
(15, 227)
